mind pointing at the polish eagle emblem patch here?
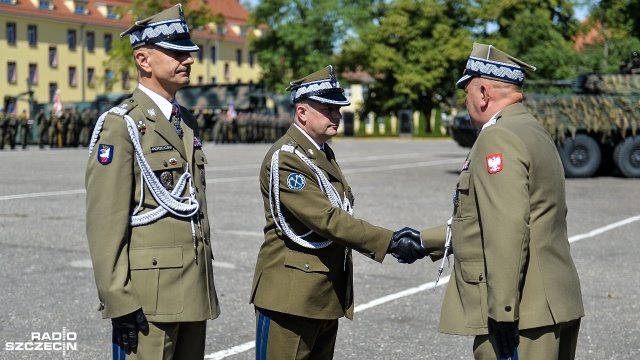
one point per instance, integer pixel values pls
(494, 163)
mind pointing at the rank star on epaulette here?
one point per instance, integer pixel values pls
(494, 163)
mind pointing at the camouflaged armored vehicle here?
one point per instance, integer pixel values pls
(595, 127)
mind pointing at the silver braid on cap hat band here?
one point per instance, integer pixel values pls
(167, 201)
(323, 183)
(496, 69)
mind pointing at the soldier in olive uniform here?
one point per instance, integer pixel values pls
(151, 250)
(4, 123)
(514, 281)
(42, 121)
(25, 129)
(12, 129)
(303, 278)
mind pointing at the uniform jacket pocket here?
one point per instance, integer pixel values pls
(156, 275)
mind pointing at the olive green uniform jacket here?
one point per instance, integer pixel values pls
(151, 266)
(510, 246)
(313, 283)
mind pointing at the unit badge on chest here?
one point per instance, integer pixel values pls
(166, 178)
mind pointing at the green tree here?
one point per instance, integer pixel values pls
(416, 50)
(302, 36)
(619, 31)
(120, 59)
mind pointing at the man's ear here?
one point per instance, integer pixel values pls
(301, 112)
(141, 57)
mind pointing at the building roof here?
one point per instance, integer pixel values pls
(233, 12)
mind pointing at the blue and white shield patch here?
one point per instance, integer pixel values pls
(105, 154)
(296, 181)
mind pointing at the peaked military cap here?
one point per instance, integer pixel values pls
(321, 86)
(167, 29)
(487, 61)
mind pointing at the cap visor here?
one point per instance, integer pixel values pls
(463, 80)
(336, 99)
(184, 45)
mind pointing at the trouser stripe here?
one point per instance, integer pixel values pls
(262, 334)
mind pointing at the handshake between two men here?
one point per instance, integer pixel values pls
(406, 246)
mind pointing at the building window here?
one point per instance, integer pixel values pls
(251, 59)
(52, 91)
(227, 72)
(214, 57)
(200, 54)
(111, 14)
(33, 74)
(107, 42)
(243, 31)
(11, 33)
(73, 76)
(108, 79)
(200, 80)
(125, 80)
(239, 56)
(71, 39)
(12, 73)
(91, 77)
(53, 56)
(45, 4)
(91, 41)
(81, 8)
(32, 35)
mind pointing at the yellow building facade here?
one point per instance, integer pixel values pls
(49, 45)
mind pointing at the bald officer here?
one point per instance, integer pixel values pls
(303, 276)
(147, 221)
(514, 285)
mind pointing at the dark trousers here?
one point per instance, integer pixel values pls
(289, 337)
(553, 342)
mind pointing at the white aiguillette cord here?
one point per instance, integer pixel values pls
(167, 201)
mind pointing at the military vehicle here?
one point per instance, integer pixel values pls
(596, 127)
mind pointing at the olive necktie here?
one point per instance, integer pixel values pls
(175, 119)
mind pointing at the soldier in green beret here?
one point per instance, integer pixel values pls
(303, 281)
(514, 285)
(147, 222)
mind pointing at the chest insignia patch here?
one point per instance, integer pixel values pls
(105, 154)
(152, 112)
(494, 163)
(173, 161)
(296, 181)
(161, 148)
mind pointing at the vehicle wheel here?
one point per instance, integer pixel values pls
(580, 156)
(627, 157)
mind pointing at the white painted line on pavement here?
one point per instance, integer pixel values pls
(42, 194)
(414, 290)
(247, 178)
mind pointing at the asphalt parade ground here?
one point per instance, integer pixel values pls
(48, 296)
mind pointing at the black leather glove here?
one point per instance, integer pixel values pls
(406, 246)
(126, 327)
(506, 334)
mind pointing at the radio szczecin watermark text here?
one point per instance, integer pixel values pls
(64, 341)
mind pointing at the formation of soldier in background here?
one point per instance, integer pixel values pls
(72, 128)
(230, 127)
